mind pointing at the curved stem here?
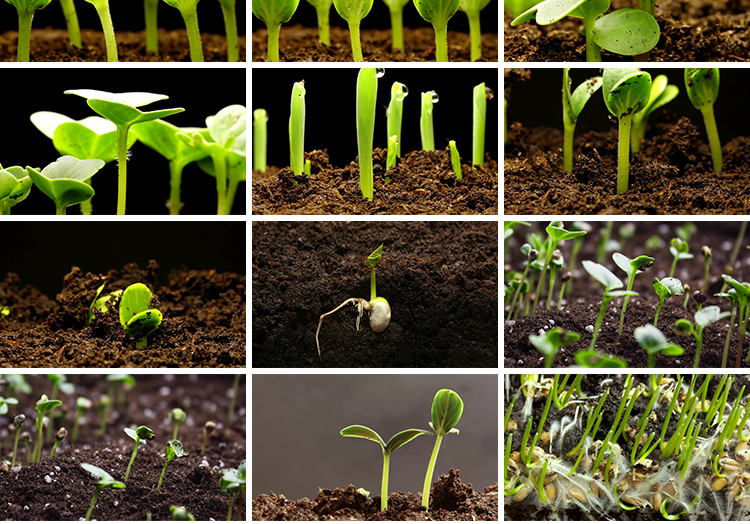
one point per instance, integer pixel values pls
(397, 28)
(475, 32)
(430, 471)
(599, 319)
(194, 35)
(71, 21)
(231, 503)
(93, 502)
(158, 486)
(24, 34)
(151, 8)
(122, 168)
(102, 9)
(356, 45)
(441, 42)
(233, 43)
(273, 42)
(623, 154)
(384, 483)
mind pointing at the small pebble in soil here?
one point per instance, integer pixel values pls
(664, 229)
(149, 413)
(589, 329)
(541, 332)
(16, 469)
(520, 363)
(165, 391)
(510, 322)
(727, 245)
(552, 322)
(57, 468)
(580, 300)
(48, 479)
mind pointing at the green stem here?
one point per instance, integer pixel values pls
(220, 169)
(430, 471)
(631, 281)
(60, 210)
(233, 43)
(324, 26)
(441, 41)
(599, 319)
(698, 346)
(373, 294)
(151, 8)
(93, 502)
(86, 206)
(273, 42)
(102, 9)
(593, 51)
(175, 183)
(132, 459)
(54, 448)
(24, 34)
(384, 483)
(551, 285)
(71, 21)
(569, 132)
(729, 337)
(231, 503)
(36, 456)
(15, 447)
(122, 167)
(713, 137)
(740, 343)
(356, 46)
(475, 32)
(518, 289)
(158, 486)
(623, 154)
(231, 192)
(194, 35)
(397, 28)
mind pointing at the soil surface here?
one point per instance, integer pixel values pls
(440, 279)
(691, 31)
(59, 489)
(300, 44)
(582, 307)
(422, 182)
(450, 499)
(203, 326)
(52, 45)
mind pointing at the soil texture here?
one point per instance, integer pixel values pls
(581, 308)
(691, 31)
(203, 326)
(58, 488)
(439, 278)
(422, 182)
(450, 499)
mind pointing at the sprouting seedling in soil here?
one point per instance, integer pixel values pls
(235, 392)
(64, 181)
(655, 343)
(447, 408)
(396, 8)
(103, 409)
(121, 110)
(323, 9)
(353, 11)
(481, 94)
(26, 439)
(555, 264)
(394, 114)
(624, 31)
(743, 297)
(177, 417)
(71, 21)
(297, 128)
(395, 442)
(555, 236)
(438, 12)
(626, 91)
(425, 120)
(679, 249)
(455, 159)
(472, 8)
(392, 155)
(260, 140)
(125, 383)
(61, 435)
(531, 256)
(703, 318)
(665, 288)
(15, 186)
(631, 268)
(136, 317)
(18, 421)
(26, 9)
(610, 282)
(189, 11)
(233, 481)
(732, 296)
(180, 513)
(380, 311)
(5, 402)
(151, 10)
(102, 9)
(367, 92)
(59, 383)
(274, 13)
(43, 406)
(707, 255)
(662, 92)
(141, 436)
(208, 430)
(702, 87)
(230, 26)
(82, 406)
(573, 103)
(551, 342)
(105, 481)
(174, 450)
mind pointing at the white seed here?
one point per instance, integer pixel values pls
(719, 484)
(577, 493)
(550, 492)
(522, 494)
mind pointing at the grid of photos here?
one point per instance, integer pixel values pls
(123, 327)
(625, 209)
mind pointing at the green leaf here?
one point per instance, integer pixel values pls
(374, 258)
(64, 180)
(161, 136)
(105, 479)
(626, 90)
(709, 315)
(404, 437)
(436, 12)
(582, 94)
(684, 327)
(654, 342)
(135, 299)
(549, 11)
(667, 287)
(602, 275)
(632, 267)
(353, 10)
(594, 359)
(558, 234)
(142, 325)
(447, 408)
(15, 185)
(742, 289)
(627, 32)
(175, 450)
(274, 12)
(702, 86)
(120, 108)
(362, 432)
(45, 406)
(142, 435)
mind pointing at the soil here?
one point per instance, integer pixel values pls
(49, 44)
(440, 279)
(203, 326)
(582, 307)
(691, 31)
(300, 44)
(422, 182)
(450, 499)
(59, 489)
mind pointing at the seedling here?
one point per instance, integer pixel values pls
(26, 9)
(438, 12)
(15, 186)
(396, 8)
(394, 114)
(71, 21)
(5, 402)
(367, 91)
(104, 408)
(43, 406)
(555, 236)
(353, 11)
(230, 25)
(610, 282)
(392, 154)
(472, 8)
(551, 342)
(121, 110)
(233, 481)
(174, 450)
(573, 103)
(679, 249)
(61, 435)
(662, 92)
(82, 405)
(378, 307)
(64, 181)
(707, 255)
(141, 436)
(732, 296)
(189, 11)
(17, 423)
(482, 93)
(180, 513)
(105, 480)
(59, 383)
(395, 442)
(665, 288)
(124, 381)
(102, 9)
(631, 268)
(702, 87)
(555, 264)
(136, 318)
(208, 430)
(455, 159)
(743, 297)
(703, 318)
(447, 408)
(297, 128)
(235, 393)
(425, 120)
(531, 256)
(177, 417)
(151, 10)
(626, 91)
(260, 134)
(655, 343)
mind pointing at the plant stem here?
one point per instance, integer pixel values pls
(231, 192)
(231, 503)
(441, 41)
(569, 132)
(233, 43)
(60, 210)
(631, 281)
(743, 326)
(273, 42)
(729, 336)
(132, 459)
(324, 26)
(93, 502)
(151, 8)
(551, 285)
(235, 388)
(194, 35)
(220, 169)
(475, 32)
(384, 483)
(175, 183)
(698, 345)
(623, 154)
(71, 21)
(599, 319)
(24, 34)
(122, 167)
(356, 46)
(102, 9)
(36, 456)
(713, 137)
(518, 289)
(397, 28)
(430, 471)
(15, 447)
(593, 51)
(158, 486)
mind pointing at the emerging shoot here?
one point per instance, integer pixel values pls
(26, 9)
(274, 13)
(208, 430)
(551, 342)
(141, 436)
(297, 128)
(662, 92)
(353, 11)
(665, 288)
(230, 25)
(17, 423)
(438, 12)
(396, 7)
(703, 318)
(394, 114)
(447, 408)
(702, 87)
(425, 121)
(177, 417)
(367, 92)
(573, 104)
(233, 482)
(43, 406)
(64, 181)
(61, 435)
(610, 282)
(482, 93)
(174, 450)
(455, 159)
(189, 11)
(632, 268)
(105, 480)
(472, 8)
(655, 343)
(136, 317)
(323, 9)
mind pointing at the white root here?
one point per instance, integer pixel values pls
(360, 303)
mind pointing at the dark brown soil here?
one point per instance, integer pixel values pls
(582, 308)
(422, 182)
(59, 489)
(440, 279)
(450, 499)
(300, 44)
(691, 31)
(203, 326)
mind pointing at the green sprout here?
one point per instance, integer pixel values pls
(233, 481)
(679, 249)
(707, 255)
(573, 104)
(626, 91)
(631, 268)
(447, 408)
(230, 25)
(174, 450)
(555, 236)
(82, 405)
(743, 297)
(100, 303)
(610, 282)
(396, 8)
(425, 120)
(102, 9)
(121, 110)
(455, 159)
(531, 256)
(392, 154)
(274, 13)
(136, 317)
(15, 186)
(151, 10)
(551, 342)
(703, 318)
(665, 288)
(71, 21)
(59, 383)
(189, 11)
(5, 402)
(655, 343)
(177, 417)
(17, 423)
(647, 5)
(64, 181)
(297, 128)
(624, 31)
(353, 11)
(732, 296)
(126, 382)
(438, 12)
(26, 9)
(43, 406)
(180, 513)
(208, 430)
(105, 481)
(260, 140)
(367, 91)
(323, 9)
(103, 409)
(394, 115)
(479, 121)
(702, 87)
(235, 392)
(141, 436)
(662, 92)
(472, 8)
(61, 435)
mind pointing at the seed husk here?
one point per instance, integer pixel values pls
(719, 484)
(522, 494)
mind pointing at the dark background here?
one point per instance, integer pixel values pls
(537, 102)
(330, 121)
(43, 252)
(297, 447)
(43, 90)
(127, 15)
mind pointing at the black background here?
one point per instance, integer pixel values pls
(537, 102)
(127, 15)
(43, 90)
(43, 252)
(330, 121)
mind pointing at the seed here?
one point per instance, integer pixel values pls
(719, 484)
(550, 492)
(549, 479)
(512, 426)
(634, 501)
(594, 489)
(742, 451)
(736, 489)
(516, 456)
(537, 454)
(577, 493)
(522, 494)
(669, 489)
(544, 438)
(655, 500)
(730, 464)
(623, 485)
